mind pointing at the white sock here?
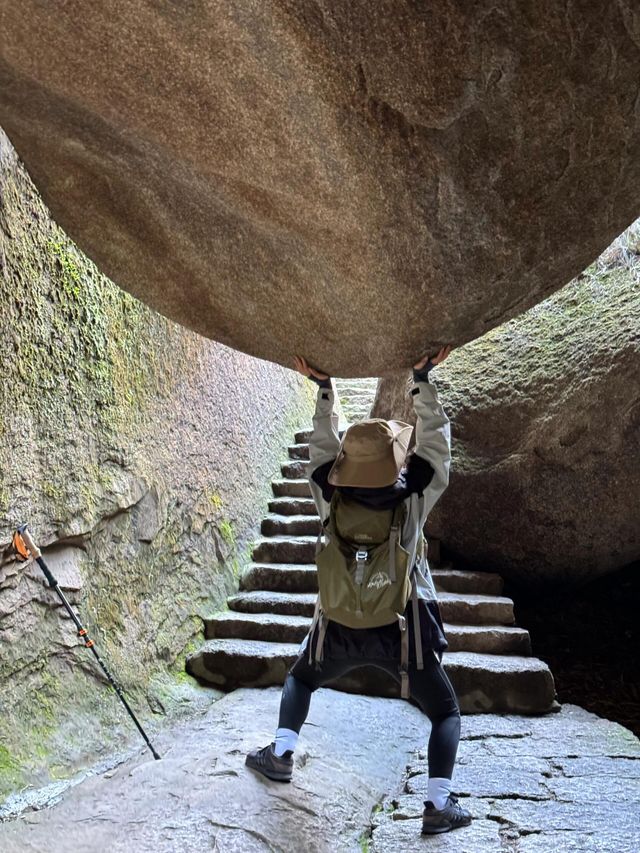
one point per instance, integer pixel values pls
(438, 789)
(285, 739)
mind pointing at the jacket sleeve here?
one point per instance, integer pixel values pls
(433, 442)
(324, 441)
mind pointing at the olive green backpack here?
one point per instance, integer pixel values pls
(364, 576)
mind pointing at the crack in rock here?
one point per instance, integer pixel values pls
(252, 832)
(496, 735)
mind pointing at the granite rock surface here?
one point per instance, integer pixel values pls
(531, 784)
(356, 182)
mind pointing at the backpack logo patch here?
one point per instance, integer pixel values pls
(379, 580)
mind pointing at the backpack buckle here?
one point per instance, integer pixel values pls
(361, 558)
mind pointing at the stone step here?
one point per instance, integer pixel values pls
(455, 608)
(357, 397)
(291, 488)
(278, 547)
(472, 609)
(280, 551)
(453, 580)
(302, 577)
(270, 627)
(290, 525)
(261, 601)
(293, 506)
(299, 451)
(295, 470)
(304, 436)
(280, 628)
(483, 683)
(280, 577)
(488, 639)
(359, 382)
(285, 549)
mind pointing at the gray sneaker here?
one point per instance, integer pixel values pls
(265, 761)
(450, 817)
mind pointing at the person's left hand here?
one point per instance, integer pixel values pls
(302, 366)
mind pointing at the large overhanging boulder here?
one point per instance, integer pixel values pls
(545, 421)
(358, 182)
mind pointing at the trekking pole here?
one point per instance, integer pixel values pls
(25, 547)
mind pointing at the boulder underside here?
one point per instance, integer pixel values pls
(356, 182)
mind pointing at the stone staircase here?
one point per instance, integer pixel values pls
(356, 397)
(256, 640)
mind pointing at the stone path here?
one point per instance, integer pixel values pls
(562, 782)
(201, 797)
(568, 781)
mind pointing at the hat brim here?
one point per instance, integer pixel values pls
(374, 473)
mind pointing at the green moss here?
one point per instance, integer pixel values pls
(84, 336)
(8, 763)
(227, 532)
(215, 500)
(10, 771)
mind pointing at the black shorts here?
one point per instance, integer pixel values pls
(343, 643)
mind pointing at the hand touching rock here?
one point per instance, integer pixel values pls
(421, 368)
(302, 366)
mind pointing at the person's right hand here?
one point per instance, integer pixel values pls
(434, 359)
(303, 367)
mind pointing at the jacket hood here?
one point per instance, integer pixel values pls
(384, 497)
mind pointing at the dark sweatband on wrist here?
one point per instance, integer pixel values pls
(422, 375)
(321, 383)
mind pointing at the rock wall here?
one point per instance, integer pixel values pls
(141, 455)
(545, 412)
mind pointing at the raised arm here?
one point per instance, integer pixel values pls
(433, 431)
(325, 441)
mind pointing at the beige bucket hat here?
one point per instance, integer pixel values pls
(371, 454)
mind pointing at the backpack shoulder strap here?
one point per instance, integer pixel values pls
(394, 536)
(417, 628)
(319, 623)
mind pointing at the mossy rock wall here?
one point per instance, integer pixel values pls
(141, 456)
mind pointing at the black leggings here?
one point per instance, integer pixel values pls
(429, 687)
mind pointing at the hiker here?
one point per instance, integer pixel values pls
(369, 493)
